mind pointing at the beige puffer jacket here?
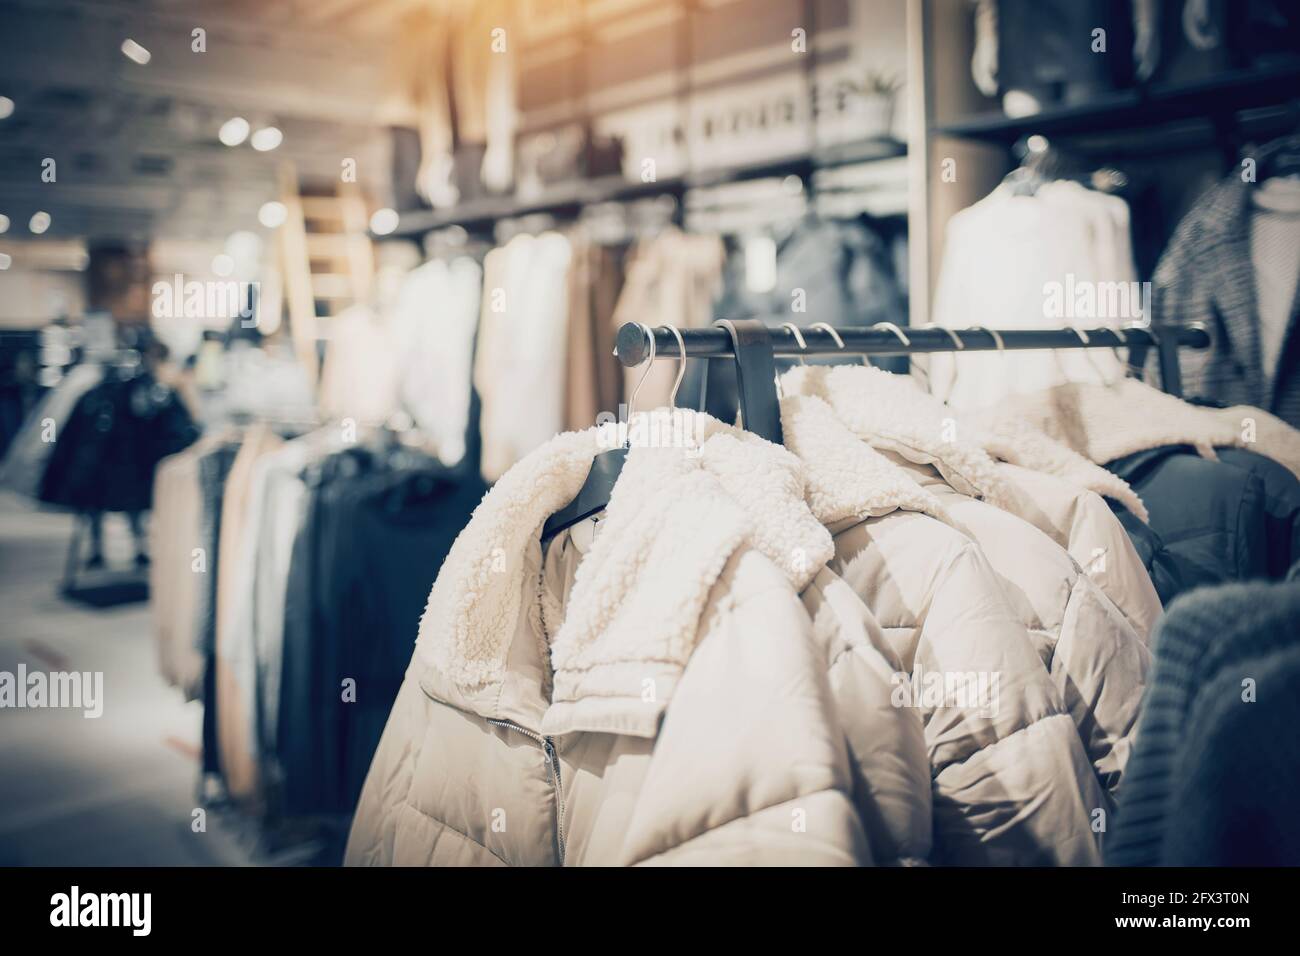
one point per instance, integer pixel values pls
(651, 689)
(1012, 784)
(1027, 473)
(1098, 661)
(677, 651)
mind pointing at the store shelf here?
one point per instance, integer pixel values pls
(1224, 95)
(568, 199)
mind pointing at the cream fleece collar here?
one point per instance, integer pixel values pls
(1105, 422)
(890, 412)
(692, 492)
(846, 477)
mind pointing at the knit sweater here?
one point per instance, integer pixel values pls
(1213, 634)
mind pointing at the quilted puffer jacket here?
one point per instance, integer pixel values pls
(558, 699)
(1024, 472)
(1011, 781)
(650, 689)
(1095, 657)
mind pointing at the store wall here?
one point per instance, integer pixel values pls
(711, 83)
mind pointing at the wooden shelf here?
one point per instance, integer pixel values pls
(568, 199)
(1140, 109)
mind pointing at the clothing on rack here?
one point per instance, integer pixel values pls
(613, 710)
(1095, 656)
(105, 454)
(462, 53)
(214, 467)
(1224, 676)
(375, 529)
(28, 455)
(289, 571)
(1233, 264)
(434, 322)
(1041, 482)
(359, 377)
(234, 682)
(1219, 485)
(593, 375)
(483, 649)
(519, 361)
(179, 565)
(672, 279)
(1058, 258)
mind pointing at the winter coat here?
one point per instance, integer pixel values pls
(811, 747)
(1095, 657)
(1052, 486)
(1230, 514)
(105, 455)
(1212, 515)
(1012, 783)
(1207, 275)
(557, 702)
(28, 455)
(1106, 422)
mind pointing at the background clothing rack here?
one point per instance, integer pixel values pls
(633, 347)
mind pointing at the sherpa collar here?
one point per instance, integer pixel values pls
(1103, 423)
(890, 412)
(692, 492)
(846, 477)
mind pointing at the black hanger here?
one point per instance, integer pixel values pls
(594, 494)
(760, 407)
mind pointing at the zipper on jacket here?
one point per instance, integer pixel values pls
(553, 764)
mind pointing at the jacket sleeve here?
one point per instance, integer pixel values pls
(1082, 523)
(886, 743)
(1011, 783)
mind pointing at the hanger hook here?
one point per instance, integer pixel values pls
(798, 337)
(681, 362)
(835, 335)
(956, 339)
(997, 338)
(829, 331)
(890, 326)
(649, 363)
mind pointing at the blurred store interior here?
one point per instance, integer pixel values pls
(285, 247)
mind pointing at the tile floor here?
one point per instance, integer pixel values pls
(117, 790)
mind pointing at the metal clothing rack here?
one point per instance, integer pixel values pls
(754, 345)
(716, 342)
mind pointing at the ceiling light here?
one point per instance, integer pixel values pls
(135, 52)
(4, 223)
(266, 139)
(272, 214)
(6, 107)
(383, 221)
(5, 261)
(233, 131)
(223, 265)
(39, 222)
